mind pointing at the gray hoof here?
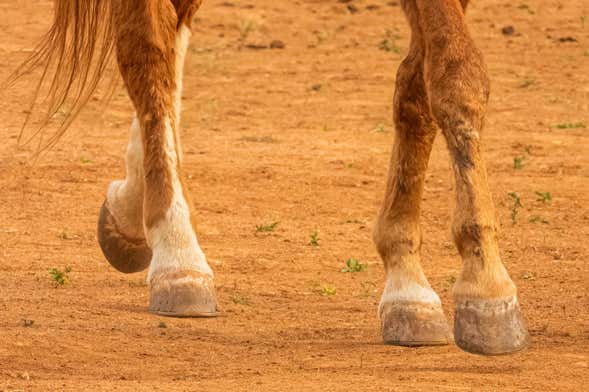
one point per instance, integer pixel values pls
(490, 326)
(183, 294)
(414, 324)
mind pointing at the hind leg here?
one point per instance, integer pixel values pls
(120, 225)
(410, 311)
(151, 44)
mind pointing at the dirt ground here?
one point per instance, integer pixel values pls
(299, 135)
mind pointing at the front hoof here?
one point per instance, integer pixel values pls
(490, 326)
(124, 253)
(414, 324)
(183, 294)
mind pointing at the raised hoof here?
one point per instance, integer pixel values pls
(414, 324)
(183, 294)
(124, 253)
(490, 326)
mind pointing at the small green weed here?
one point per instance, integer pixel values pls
(380, 128)
(528, 149)
(314, 239)
(388, 43)
(544, 197)
(328, 290)
(353, 265)
(322, 289)
(517, 204)
(575, 125)
(162, 325)
(60, 277)
(266, 228)
(518, 162)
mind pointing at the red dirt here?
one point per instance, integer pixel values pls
(292, 136)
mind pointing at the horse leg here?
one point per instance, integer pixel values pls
(151, 44)
(410, 311)
(487, 313)
(120, 225)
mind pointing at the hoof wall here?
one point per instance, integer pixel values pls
(414, 324)
(123, 253)
(183, 294)
(490, 327)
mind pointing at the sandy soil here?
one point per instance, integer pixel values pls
(300, 136)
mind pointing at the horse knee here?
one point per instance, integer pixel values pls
(459, 95)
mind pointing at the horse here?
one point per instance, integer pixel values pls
(145, 221)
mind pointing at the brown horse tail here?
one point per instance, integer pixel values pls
(73, 56)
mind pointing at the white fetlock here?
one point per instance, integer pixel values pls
(411, 314)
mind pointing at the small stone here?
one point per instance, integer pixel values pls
(352, 8)
(256, 46)
(276, 44)
(508, 30)
(28, 322)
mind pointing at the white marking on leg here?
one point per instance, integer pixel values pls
(182, 41)
(400, 288)
(124, 198)
(172, 239)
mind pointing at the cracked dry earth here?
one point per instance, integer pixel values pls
(299, 135)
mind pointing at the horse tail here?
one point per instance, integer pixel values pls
(73, 56)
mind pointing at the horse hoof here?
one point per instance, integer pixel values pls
(125, 254)
(490, 326)
(414, 324)
(183, 294)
